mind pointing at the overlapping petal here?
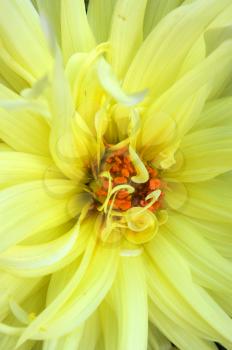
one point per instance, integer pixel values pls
(78, 82)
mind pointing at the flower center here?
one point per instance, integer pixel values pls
(117, 184)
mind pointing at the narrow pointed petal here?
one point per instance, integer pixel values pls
(168, 111)
(210, 269)
(23, 131)
(89, 293)
(36, 59)
(109, 326)
(42, 259)
(155, 11)
(70, 153)
(126, 33)
(52, 11)
(129, 302)
(31, 207)
(18, 167)
(199, 151)
(216, 113)
(152, 67)
(75, 31)
(204, 314)
(100, 15)
(179, 336)
(210, 200)
(13, 286)
(83, 292)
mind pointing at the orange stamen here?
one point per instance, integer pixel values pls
(121, 170)
(120, 180)
(154, 184)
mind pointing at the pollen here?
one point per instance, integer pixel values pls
(121, 169)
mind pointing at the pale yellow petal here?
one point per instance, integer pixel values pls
(30, 306)
(90, 336)
(45, 236)
(201, 315)
(46, 258)
(128, 299)
(152, 67)
(224, 19)
(52, 11)
(209, 268)
(70, 153)
(216, 113)
(155, 11)
(12, 286)
(31, 207)
(76, 34)
(179, 336)
(189, 95)
(5, 148)
(209, 200)
(126, 33)
(69, 342)
(195, 56)
(9, 76)
(88, 287)
(35, 59)
(199, 151)
(156, 340)
(18, 167)
(109, 326)
(88, 294)
(99, 16)
(23, 131)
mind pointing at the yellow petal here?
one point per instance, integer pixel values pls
(17, 167)
(9, 72)
(99, 16)
(70, 154)
(216, 113)
(157, 340)
(209, 200)
(76, 34)
(217, 234)
(111, 85)
(36, 58)
(152, 67)
(88, 294)
(155, 11)
(12, 286)
(52, 12)
(126, 33)
(31, 207)
(195, 56)
(201, 315)
(87, 287)
(178, 335)
(70, 342)
(210, 270)
(92, 329)
(128, 298)
(187, 95)
(46, 258)
(108, 321)
(199, 151)
(30, 307)
(23, 131)
(5, 148)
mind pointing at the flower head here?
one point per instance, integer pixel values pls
(115, 182)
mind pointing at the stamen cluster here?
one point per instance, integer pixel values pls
(121, 170)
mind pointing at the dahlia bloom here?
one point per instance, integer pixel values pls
(115, 174)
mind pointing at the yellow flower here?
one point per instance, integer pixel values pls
(115, 182)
